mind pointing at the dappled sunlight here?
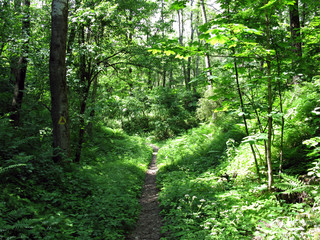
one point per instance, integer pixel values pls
(213, 203)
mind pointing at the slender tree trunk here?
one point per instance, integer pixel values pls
(58, 83)
(164, 73)
(295, 28)
(269, 141)
(188, 77)
(180, 27)
(181, 31)
(244, 116)
(82, 129)
(170, 78)
(93, 102)
(269, 94)
(303, 15)
(259, 123)
(282, 129)
(295, 38)
(85, 82)
(196, 72)
(282, 115)
(19, 65)
(207, 58)
(188, 74)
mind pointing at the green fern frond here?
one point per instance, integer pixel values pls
(290, 184)
(24, 224)
(6, 169)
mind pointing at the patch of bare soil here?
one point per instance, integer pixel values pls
(149, 223)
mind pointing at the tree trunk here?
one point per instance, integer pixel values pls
(164, 73)
(207, 58)
(295, 28)
(19, 66)
(269, 94)
(82, 125)
(181, 31)
(269, 141)
(58, 83)
(93, 102)
(259, 122)
(85, 82)
(188, 77)
(282, 116)
(170, 78)
(295, 39)
(244, 116)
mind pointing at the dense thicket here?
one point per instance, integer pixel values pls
(245, 75)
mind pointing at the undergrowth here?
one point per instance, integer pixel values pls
(97, 199)
(203, 197)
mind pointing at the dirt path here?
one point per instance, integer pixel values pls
(149, 223)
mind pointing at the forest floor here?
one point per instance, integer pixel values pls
(149, 222)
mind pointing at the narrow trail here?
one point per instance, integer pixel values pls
(149, 223)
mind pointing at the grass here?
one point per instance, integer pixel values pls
(97, 199)
(198, 203)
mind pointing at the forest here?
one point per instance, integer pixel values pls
(228, 90)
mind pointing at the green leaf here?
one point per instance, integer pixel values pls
(269, 4)
(169, 52)
(177, 5)
(218, 39)
(254, 138)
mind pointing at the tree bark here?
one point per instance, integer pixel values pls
(82, 129)
(19, 65)
(93, 102)
(244, 116)
(58, 83)
(269, 94)
(295, 28)
(259, 121)
(282, 116)
(181, 32)
(164, 74)
(207, 58)
(188, 77)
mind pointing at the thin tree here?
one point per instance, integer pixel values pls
(207, 58)
(269, 94)
(244, 115)
(191, 40)
(295, 37)
(295, 28)
(242, 104)
(19, 65)
(181, 34)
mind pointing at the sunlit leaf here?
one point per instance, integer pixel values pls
(218, 39)
(177, 5)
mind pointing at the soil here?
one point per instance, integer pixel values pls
(149, 222)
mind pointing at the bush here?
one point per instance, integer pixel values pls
(200, 199)
(97, 199)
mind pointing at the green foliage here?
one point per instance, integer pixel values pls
(95, 200)
(302, 123)
(208, 192)
(201, 198)
(161, 112)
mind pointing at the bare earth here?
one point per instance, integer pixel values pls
(149, 223)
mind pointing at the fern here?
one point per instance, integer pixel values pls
(6, 169)
(291, 184)
(24, 224)
(18, 222)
